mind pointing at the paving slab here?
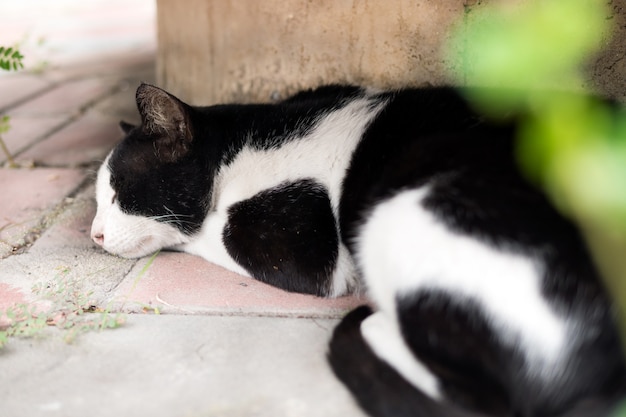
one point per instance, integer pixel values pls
(183, 283)
(121, 105)
(17, 87)
(26, 130)
(64, 253)
(114, 65)
(85, 140)
(66, 98)
(171, 365)
(66, 33)
(11, 296)
(27, 196)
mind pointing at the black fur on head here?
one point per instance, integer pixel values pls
(157, 170)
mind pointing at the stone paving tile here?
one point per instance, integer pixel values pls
(66, 98)
(27, 195)
(178, 366)
(64, 253)
(187, 284)
(139, 62)
(26, 130)
(72, 227)
(10, 295)
(67, 32)
(85, 140)
(122, 105)
(16, 87)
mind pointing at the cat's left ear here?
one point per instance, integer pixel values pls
(167, 118)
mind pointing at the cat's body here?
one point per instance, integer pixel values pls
(487, 298)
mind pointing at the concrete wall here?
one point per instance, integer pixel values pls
(249, 50)
(607, 72)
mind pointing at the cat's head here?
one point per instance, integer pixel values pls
(152, 189)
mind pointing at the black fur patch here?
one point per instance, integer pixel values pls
(265, 126)
(146, 186)
(458, 344)
(396, 149)
(479, 372)
(377, 387)
(286, 236)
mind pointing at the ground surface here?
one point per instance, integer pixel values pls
(221, 345)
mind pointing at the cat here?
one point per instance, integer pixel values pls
(487, 302)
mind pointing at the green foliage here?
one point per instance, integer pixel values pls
(4, 124)
(572, 144)
(10, 59)
(60, 304)
(537, 46)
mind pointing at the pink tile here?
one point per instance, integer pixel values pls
(73, 228)
(16, 87)
(28, 194)
(135, 62)
(10, 295)
(69, 97)
(27, 130)
(85, 140)
(78, 32)
(187, 284)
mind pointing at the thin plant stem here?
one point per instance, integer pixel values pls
(12, 163)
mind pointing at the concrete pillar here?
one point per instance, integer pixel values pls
(259, 50)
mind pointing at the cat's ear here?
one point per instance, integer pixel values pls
(168, 118)
(126, 127)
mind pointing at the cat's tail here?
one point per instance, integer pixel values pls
(382, 392)
(610, 404)
(377, 387)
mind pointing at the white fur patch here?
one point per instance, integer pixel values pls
(404, 248)
(324, 155)
(209, 243)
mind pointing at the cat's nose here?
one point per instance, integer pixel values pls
(98, 237)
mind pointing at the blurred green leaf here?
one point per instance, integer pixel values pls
(10, 59)
(527, 49)
(570, 143)
(531, 56)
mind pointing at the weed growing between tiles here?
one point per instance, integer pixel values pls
(60, 303)
(10, 59)
(144, 307)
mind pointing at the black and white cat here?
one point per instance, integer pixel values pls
(487, 301)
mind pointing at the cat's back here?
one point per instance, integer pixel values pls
(488, 281)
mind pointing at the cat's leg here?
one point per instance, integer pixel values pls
(382, 374)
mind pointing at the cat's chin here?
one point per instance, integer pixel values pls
(143, 248)
(131, 254)
(134, 255)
